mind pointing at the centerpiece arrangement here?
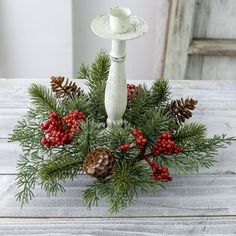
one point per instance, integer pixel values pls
(129, 138)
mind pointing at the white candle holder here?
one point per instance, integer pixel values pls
(119, 26)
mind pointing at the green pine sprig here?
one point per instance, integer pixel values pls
(129, 179)
(43, 99)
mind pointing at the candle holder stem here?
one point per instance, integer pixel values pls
(116, 87)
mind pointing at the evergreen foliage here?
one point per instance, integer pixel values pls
(96, 78)
(131, 174)
(160, 92)
(129, 179)
(43, 99)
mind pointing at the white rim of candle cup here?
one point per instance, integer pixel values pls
(117, 11)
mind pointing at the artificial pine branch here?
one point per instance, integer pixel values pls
(74, 102)
(59, 168)
(117, 135)
(190, 132)
(100, 68)
(43, 99)
(139, 105)
(84, 72)
(26, 132)
(129, 179)
(26, 178)
(97, 83)
(160, 92)
(196, 153)
(52, 187)
(88, 138)
(153, 122)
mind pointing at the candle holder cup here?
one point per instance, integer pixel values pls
(119, 19)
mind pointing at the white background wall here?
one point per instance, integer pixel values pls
(35, 38)
(40, 38)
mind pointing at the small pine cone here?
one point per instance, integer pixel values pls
(181, 109)
(63, 87)
(99, 163)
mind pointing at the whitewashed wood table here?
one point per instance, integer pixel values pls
(203, 204)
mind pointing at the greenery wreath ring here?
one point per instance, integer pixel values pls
(64, 134)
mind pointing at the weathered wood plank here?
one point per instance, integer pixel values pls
(163, 17)
(195, 62)
(211, 24)
(179, 37)
(23, 84)
(202, 90)
(124, 226)
(195, 195)
(219, 68)
(213, 47)
(221, 19)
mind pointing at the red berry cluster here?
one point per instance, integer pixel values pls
(160, 173)
(132, 89)
(72, 119)
(165, 145)
(141, 141)
(56, 132)
(125, 147)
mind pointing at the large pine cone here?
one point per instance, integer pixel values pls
(181, 109)
(99, 163)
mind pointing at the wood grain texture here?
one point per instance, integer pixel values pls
(192, 195)
(213, 47)
(215, 24)
(202, 204)
(221, 20)
(195, 62)
(163, 17)
(124, 227)
(219, 68)
(179, 37)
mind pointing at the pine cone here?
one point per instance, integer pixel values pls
(99, 163)
(181, 109)
(63, 87)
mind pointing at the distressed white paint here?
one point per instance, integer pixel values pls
(119, 19)
(191, 195)
(125, 226)
(179, 37)
(116, 88)
(162, 17)
(215, 19)
(126, 28)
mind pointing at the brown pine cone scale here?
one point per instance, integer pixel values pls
(181, 109)
(63, 87)
(99, 163)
